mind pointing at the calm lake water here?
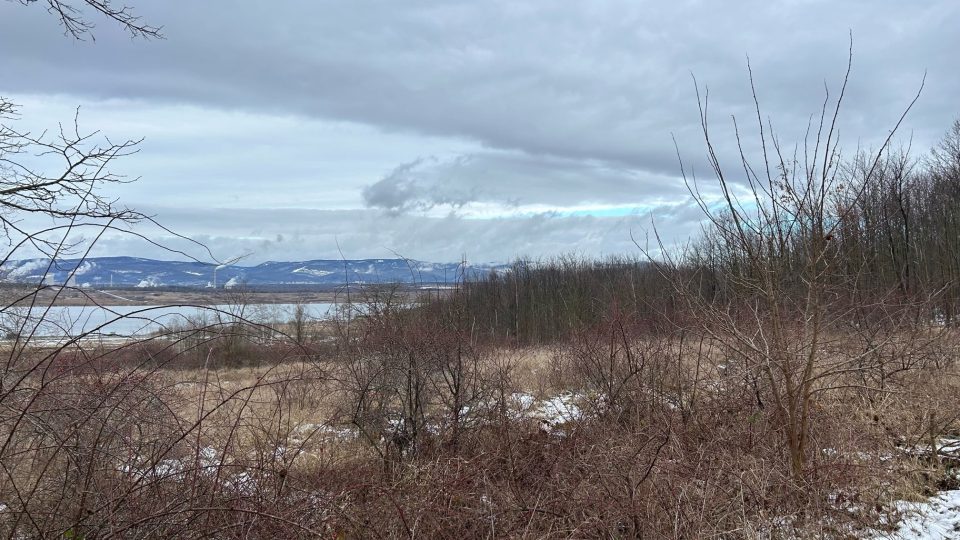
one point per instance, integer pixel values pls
(139, 320)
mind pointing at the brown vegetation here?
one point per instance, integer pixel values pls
(788, 375)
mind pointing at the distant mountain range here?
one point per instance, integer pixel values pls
(137, 272)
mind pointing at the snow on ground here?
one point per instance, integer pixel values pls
(312, 272)
(949, 448)
(559, 409)
(551, 413)
(936, 519)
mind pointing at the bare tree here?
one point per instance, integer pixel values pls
(782, 288)
(62, 177)
(93, 438)
(73, 16)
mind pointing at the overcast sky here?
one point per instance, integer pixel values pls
(444, 129)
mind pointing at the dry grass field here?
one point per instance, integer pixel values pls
(422, 433)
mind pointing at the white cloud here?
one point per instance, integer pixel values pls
(437, 128)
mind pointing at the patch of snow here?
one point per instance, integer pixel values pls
(162, 469)
(551, 412)
(233, 282)
(305, 431)
(949, 447)
(207, 462)
(168, 467)
(525, 401)
(936, 519)
(243, 482)
(559, 409)
(312, 272)
(208, 457)
(946, 448)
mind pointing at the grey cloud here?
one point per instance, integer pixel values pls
(605, 81)
(513, 178)
(395, 192)
(418, 185)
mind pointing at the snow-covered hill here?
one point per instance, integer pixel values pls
(137, 272)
